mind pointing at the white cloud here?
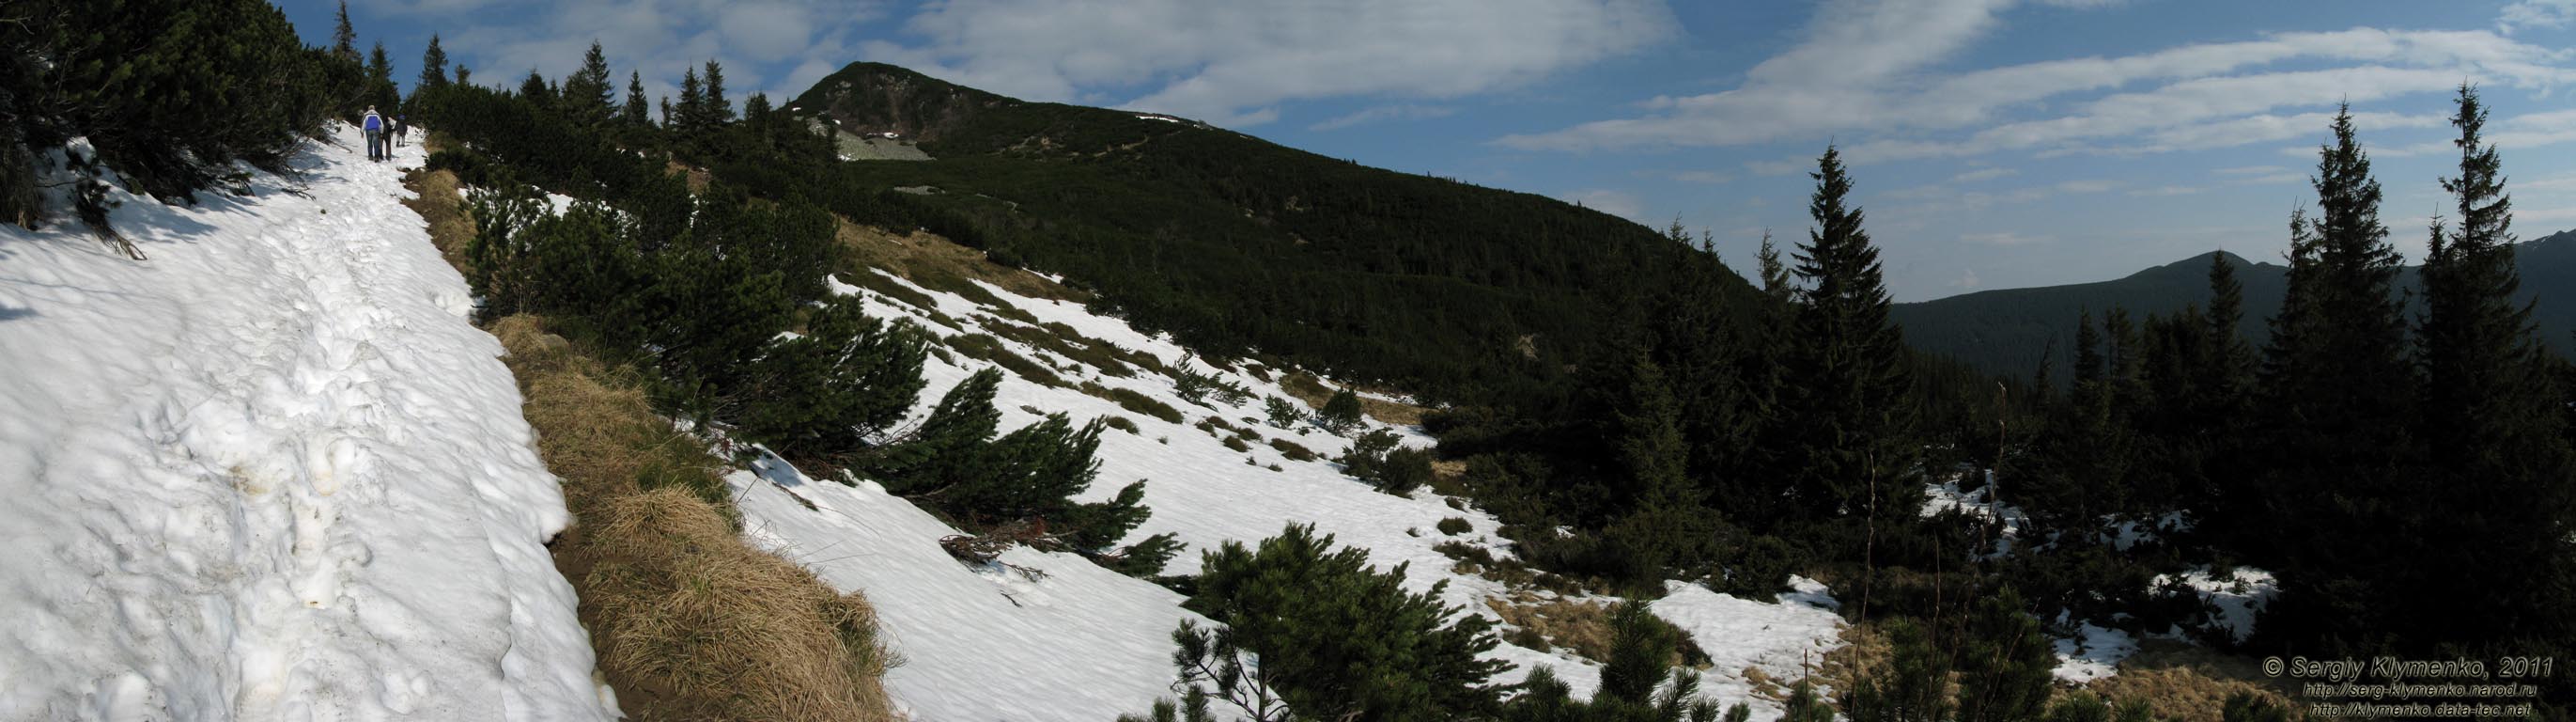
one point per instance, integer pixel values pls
(2535, 13)
(2273, 179)
(1374, 114)
(1780, 167)
(2006, 238)
(2165, 191)
(1967, 280)
(1699, 176)
(658, 38)
(1982, 174)
(1223, 60)
(2251, 170)
(1871, 69)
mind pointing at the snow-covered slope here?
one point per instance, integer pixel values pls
(1054, 637)
(271, 473)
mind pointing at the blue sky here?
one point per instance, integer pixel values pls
(1995, 143)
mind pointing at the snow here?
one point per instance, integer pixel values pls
(2126, 533)
(271, 473)
(1946, 497)
(2238, 597)
(993, 643)
(2094, 653)
(1784, 639)
(1064, 639)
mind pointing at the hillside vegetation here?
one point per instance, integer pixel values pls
(1242, 246)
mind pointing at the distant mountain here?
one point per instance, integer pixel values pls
(1243, 246)
(2009, 331)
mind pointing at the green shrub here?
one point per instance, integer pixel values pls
(1454, 526)
(2249, 707)
(988, 348)
(1283, 413)
(1122, 423)
(1292, 450)
(169, 92)
(823, 395)
(2005, 665)
(1132, 400)
(1199, 388)
(1341, 414)
(1336, 639)
(1375, 458)
(1235, 443)
(936, 454)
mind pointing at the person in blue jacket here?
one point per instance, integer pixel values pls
(375, 127)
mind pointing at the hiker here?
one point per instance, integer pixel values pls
(375, 127)
(402, 130)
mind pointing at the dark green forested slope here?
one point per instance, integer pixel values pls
(1241, 245)
(2007, 331)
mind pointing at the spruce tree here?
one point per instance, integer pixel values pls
(2226, 313)
(587, 95)
(2005, 664)
(1913, 687)
(637, 113)
(1639, 651)
(433, 67)
(1847, 417)
(2218, 378)
(1776, 282)
(718, 110)
(535, 90)
(2338, 385)
(1668, 522)
(2088, 354)
(381, 91)
(689, 115)
(756, 119)
(2491, 424)
(344, 38)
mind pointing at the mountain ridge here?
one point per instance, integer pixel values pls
(2009, 331)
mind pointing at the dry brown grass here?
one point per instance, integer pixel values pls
(689, 621)
(449, 227)
(1864, 648)
(722, 631)
(1305, 387)
(2187, 682)
(931, 260)
(1579, 627)
(697, 178)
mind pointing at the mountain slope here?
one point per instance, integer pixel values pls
(1239, 245)
(2008, 331)
(993, 640)
(271, 473)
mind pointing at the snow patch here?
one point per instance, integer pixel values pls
(2238, 597)
(1947, 497)
(1785, 638)
(2093, 653)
